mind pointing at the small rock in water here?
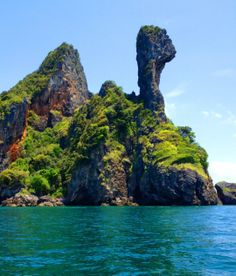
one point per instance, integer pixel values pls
(226, 192)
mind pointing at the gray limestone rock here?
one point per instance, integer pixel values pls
(20, 200)
(175, 187)
(226, 192)
(154, 50)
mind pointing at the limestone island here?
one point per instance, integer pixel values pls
(60, 144)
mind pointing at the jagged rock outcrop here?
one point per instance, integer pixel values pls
(169, 185)
(154, 50)
(48, 201)
(226, 192)
(20, 200)
(23, 200)
(67, 87)
(56, 89)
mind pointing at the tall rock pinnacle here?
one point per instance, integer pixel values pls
(67, 87)
(56, 89)
(154, 49)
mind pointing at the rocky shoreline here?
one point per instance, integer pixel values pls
(21, 200)
(226, 196)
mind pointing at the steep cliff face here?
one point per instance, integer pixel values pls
(101, 180)
(154, 50)
(101, 163)
(67, 86)
(42, 99)
(175, 187)
(110, 148)
(156, 163)
(12, 126)
(54, 90)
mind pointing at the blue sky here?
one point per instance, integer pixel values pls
(198, 85)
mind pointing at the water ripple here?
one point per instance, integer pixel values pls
(118, 241)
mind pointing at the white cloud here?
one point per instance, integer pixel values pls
(216, 115)
(212, 114)
(176, 92)
(228, 118)
(224, 73)
(223, 171)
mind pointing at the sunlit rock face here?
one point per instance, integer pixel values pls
(67, 87)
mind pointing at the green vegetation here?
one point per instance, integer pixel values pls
(39, 166)
(29, 86)
(229, 190)
(111, 128)
(150, 29)
(167, 145)
(13, 177)
(54, 59)
(186, 131)
(111, 118)
(119, 127)
(40, 184)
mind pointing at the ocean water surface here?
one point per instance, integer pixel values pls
(118, 241)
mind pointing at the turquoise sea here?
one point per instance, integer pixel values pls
(118, 241)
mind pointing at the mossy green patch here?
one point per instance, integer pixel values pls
(150, 29)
